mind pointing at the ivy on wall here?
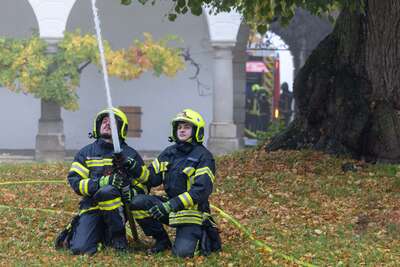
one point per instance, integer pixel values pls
(27, 67)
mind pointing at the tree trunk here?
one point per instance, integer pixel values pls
(348, 92)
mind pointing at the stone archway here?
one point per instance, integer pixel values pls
(302, 35)
(18, 20)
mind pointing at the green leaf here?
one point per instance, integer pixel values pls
(181, 3)
(196, 10)
(172, 17)
(262, 29)
(126, 2)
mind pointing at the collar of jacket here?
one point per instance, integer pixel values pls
(105, 144)
(185, 147)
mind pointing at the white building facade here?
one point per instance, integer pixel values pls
(213, 41)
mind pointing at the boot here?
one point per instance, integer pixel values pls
(161, 244)
(119, 243)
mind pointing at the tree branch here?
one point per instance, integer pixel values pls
(84, 65)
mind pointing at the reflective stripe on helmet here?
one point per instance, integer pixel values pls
(193, 117)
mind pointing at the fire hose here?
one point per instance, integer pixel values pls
(258, 243)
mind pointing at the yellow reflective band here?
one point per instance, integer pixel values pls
(99, 165)
(205, 170)
(186, 200)
(187, 213)
(198, 173)
(99, 162)
(89, 209)
(144, 176)
(206, 173)
(140, 214)
(190, 212)
(186, 217)
(175, 221)
(110, 204)
(189, 171)
(84, 187)
(141, 186)
(191, 180)
(163, 166)
(79, 169)
(188, 184)
(156, 166)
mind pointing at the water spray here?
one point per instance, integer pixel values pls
(118, 159)
(114, 131)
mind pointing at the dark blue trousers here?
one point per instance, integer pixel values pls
(98, 226)
(187, 240)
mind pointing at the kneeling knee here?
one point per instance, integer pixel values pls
(183, 252)
(139, 202)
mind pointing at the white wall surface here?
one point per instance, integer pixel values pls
(19, 113)
(160, 98)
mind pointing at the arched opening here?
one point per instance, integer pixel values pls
(261, 65)
(303, 34)
(17, 20)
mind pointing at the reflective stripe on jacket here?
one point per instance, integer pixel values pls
(187, 172)
(91, 163)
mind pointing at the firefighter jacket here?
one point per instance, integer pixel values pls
(91, 163)
(187, 172)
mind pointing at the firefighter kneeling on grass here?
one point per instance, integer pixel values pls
(103, 187)
(186, 169)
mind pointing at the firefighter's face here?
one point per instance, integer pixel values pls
(184, 131)
(105, 128)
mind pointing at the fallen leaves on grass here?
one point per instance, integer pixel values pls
(301, 203)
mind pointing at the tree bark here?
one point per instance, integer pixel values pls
(348, 92)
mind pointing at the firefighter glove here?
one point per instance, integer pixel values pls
(129, 164)
(124, 164)
(126, 194)
(114, 180)
(104, 180)
(160, 210)
(117, 181)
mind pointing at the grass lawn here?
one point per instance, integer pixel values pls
(299, 203)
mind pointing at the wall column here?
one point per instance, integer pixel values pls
(223, 132)
(50, 140)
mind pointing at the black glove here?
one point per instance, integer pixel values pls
(160, 210)
(123, 163)
(129, 164)
(118, 181)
